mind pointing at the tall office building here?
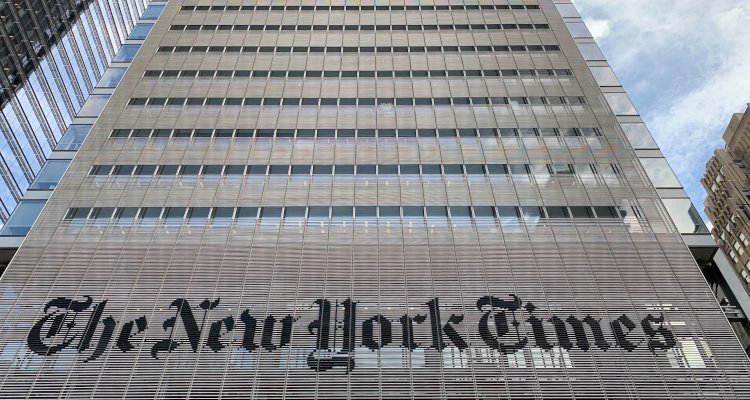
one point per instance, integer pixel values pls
(728, 202)
(54, 58)
(451, 199)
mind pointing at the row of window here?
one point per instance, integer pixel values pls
(343, 212)
(210, 73)
(442, 27)
(354, 101)
(391, 169)
(364, 8)
(353, 133)
(352, 49)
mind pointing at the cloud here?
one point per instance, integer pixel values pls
(599, 28)
(686, 66)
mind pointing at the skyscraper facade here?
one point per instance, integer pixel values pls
(53, 56)
(728, 197)
(365, 200)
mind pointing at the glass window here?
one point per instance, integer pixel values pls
(153, 11)
(102, 213)
(23, 217)
(270, 212)
(50, 174)
(590, 51)
(389, 211)
(111, 77)
(294, 212)
(73, 137)
(659, 172)
(437, 211)
(567, 10)
(318, 212)
(247, 212)
(127, 53)
(140, 31)
(606, 212)
(175, 213)
(532, 212)
(580, 212)
(94, 105)
(484, 212)
(507, 212)
(578, 29)
(557, 212)
(320, 169)
(413, 212)
(460, 212)
(684, 216)
(198, 212)
(342, 212)
(366, 211)
(620, 104)
(604, 76)
(639, 136)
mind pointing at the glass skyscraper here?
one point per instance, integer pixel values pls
(396, 200)
(53, 57)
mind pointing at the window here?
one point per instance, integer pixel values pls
(111, 77)
(94, 105)
(23, 218)
(50, 174)
(660, 172)
(152, 12)
(127, 53)
(620, 104)
(639, 136)
(140, 31)
(73, 137)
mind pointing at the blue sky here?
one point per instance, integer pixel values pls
(685, 65)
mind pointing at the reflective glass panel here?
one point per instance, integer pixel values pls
(639, 136)
(111, 77)
(94, 105)
(23, 217)
(50, 174)
(620, 104)
(140, 31)
(152, 12)
(73, 137)
(578, 29)
(685, 216)
(590, 51)
(660, 173)
(605, 76)
(127, 53)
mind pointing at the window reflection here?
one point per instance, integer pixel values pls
(140, 31)
(604, 76)
(620, 104)
(127, 53)
(685, 216)
(578, 29)
(111, 77)
(660, 173)
(94, 105)
(639, 136)
(152, 12)
(73, 137)
(50, 174)
(23, 218)
(590, 51)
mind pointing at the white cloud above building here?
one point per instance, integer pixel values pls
(685, 65)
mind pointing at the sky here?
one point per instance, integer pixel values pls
(685, 65)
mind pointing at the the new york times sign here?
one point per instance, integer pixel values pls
(89, 329)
